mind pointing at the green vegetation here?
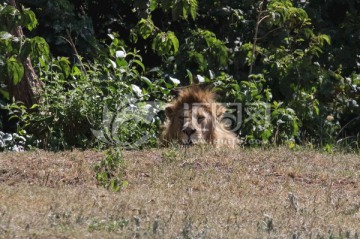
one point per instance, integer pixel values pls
(110, 171)
(294, 63)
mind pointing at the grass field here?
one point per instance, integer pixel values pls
(178, 193)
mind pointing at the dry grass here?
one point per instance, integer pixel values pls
(173, 193)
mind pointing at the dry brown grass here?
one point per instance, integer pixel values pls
(173, 193)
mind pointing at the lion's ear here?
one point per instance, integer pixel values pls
(220, 110)
(169, 111)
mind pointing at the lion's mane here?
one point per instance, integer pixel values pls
(216, 132)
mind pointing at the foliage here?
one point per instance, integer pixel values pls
(61, 21)
(294, 49)
(111, 171)
(14, 50)
(262, 120)
(12, 142)
(164, 43)
(105, 96)
(293, 65)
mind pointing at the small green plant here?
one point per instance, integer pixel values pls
(111, 171)
(109, 225)
(170, 155)
(267, 224)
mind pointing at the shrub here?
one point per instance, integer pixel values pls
(105, 95)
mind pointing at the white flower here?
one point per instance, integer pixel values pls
(148, 107)
(136, 89)
(211, 73)
(120, 54)
(174, 80)
(113, 63)
(200, 78)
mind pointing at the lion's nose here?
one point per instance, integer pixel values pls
(189, 130)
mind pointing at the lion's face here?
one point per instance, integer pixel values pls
(193, 124)
(194, 117)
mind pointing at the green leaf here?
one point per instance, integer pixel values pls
(121, 62)
(125, 183)
(34, 106)
(193, 8)
(42, 62)
(325, 38)
(114, 185)
(165, 43)
(140, 64)
(316, 109)
(65, 65)
(40, 48)
(185, 11)
(8, 11)
(9, 15)
(5, 94)
(146, 28)
(153, 4)
(147, 81)
(236, 87)
(133, 36)
(308, 32)
(76, 71)
(199, 59)
(190, 76)
(174, 40)
(28, 19)
(15, 70)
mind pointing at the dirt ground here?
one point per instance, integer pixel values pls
(182, 193)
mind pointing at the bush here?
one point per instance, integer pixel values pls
(265, 55)
(12, 142)
(105, 95)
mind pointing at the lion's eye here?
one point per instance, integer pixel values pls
(200, 119)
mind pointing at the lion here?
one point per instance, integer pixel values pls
(194, 117)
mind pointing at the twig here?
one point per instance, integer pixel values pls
(260, 18)
(73, 46)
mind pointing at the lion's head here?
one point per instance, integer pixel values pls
(194, 117)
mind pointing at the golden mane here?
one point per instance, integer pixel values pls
(191, 95)
(183, 126)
